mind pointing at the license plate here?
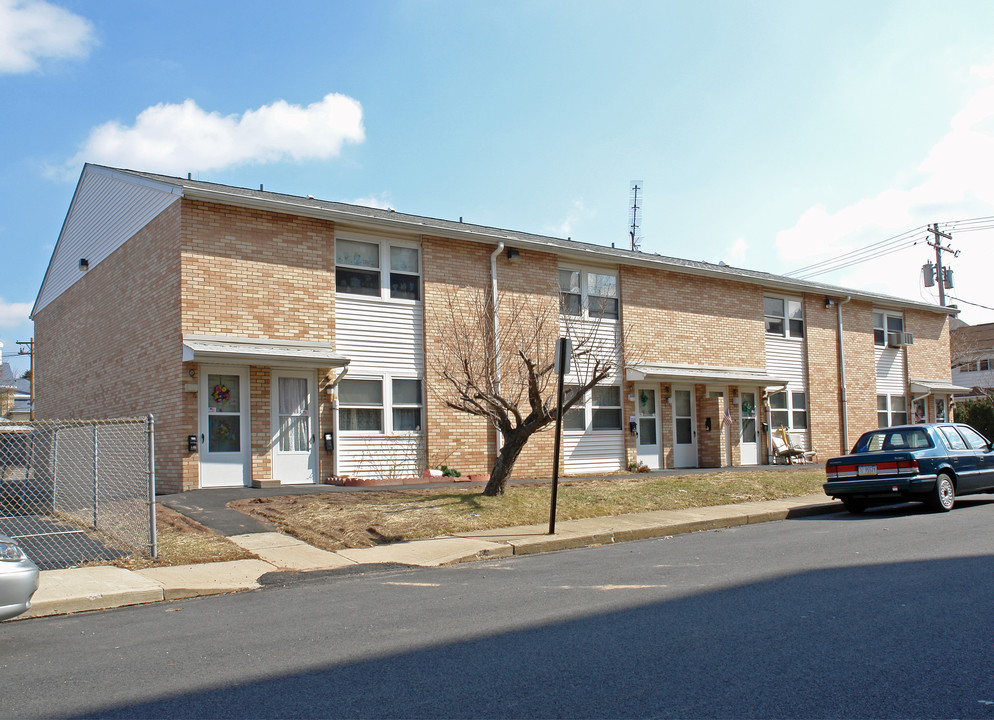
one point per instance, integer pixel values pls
(867, 470)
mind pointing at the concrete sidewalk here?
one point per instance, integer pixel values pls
(100, 588)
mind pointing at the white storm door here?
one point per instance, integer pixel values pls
(294, 446)
(748, 436)
(225, 434)
(647, 445)
(684, 428)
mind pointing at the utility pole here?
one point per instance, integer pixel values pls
(940, 274)
(30, 352)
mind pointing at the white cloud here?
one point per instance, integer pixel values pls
(380, 203)
(32, 30)
(13, 314)
(953, 182)
(577, 212)
(175, 139)
(736, 253)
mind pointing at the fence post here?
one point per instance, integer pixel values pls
(152, 538)
(96, 497)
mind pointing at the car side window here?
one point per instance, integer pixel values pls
(917, 439)
(952, 438)
(974, 440)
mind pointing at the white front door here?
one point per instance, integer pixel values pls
(684, 428)
(225, 431)
(748, 445)
(648, 446)
(294, 446)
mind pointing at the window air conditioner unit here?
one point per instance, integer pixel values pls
(900, 339)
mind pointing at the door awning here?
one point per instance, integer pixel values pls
(929, 387)
(703, 374)
(254, 351)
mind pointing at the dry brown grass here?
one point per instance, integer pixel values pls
(182, 541)
(334, 521)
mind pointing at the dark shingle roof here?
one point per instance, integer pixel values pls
(344, 212)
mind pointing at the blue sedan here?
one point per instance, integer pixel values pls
(931, 463)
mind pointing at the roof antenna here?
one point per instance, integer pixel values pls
(637, 197)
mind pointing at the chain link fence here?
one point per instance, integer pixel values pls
(76, 491)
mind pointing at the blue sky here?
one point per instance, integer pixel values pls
(768, 135)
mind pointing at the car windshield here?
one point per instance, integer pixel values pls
(884, 440)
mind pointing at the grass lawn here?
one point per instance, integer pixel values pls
(334, 521)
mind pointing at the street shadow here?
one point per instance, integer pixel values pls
(884, 640)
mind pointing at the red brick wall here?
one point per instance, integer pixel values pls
(110, 345)
(251, 273)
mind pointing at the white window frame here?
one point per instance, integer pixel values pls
(584, 287)
(889, 411)
(785, 317)
(796, 407)
(384, 268)
(587, 407)
(386, 407)
(882, 326)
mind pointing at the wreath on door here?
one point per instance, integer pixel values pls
(221, 393)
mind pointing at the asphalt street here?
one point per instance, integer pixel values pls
(881, 615)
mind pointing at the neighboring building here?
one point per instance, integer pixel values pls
(283, 339)
(15, 393)
(973, 357)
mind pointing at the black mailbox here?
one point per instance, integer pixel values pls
(329, 441)
(191, 443)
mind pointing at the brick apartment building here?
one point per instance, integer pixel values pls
(283, 339)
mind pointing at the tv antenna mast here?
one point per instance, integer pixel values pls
(637, 198)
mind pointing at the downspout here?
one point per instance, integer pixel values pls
(493, 299)
(842, 378)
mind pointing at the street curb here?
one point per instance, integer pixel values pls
(75, 590)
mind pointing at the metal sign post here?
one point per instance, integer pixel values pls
(564, 349)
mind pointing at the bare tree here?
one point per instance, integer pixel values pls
(504, 372)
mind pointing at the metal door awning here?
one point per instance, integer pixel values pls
(675, 373)
(255, 351)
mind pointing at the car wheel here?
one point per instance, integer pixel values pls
(853, 505)
(943, 496)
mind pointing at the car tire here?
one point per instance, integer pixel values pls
(943, 496)
(854, 505)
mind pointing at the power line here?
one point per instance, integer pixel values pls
(878, 249)
(967, 302)
(890, 245)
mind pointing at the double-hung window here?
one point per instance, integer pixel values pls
(600, 409)
(576, 417)
(885, 326)
(606, 404)
(784, 317)
(407, 405)
(360, 405)
(789, 410)
(383, 405)
(588, 293)
(377, 269)
(892, 410)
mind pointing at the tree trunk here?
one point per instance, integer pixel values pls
(505, 463)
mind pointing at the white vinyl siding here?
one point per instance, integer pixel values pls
(586, 450)
(383, 457)
(106, 210)
(384, 339)
(785, 358)
(592, 452)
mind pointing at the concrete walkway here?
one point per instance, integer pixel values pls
(100, 588)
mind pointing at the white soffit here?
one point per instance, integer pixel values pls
(252, 351)
(107, 209)
(926, 387)
(704, 374)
